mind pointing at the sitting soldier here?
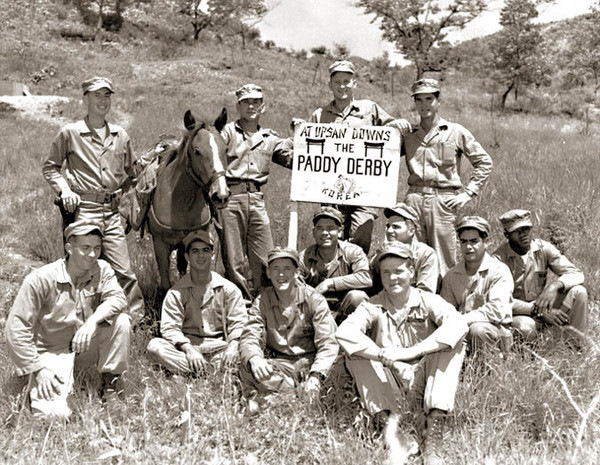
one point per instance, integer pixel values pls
(289, 339)
(69, 312)
(337, 269)
(401, 227)
(203, 315)
(535, 300)
(480, 286)
(405, 340)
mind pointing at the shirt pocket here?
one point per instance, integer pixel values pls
(447, 151)
(90, 300)
(260, 161)
(540, 278)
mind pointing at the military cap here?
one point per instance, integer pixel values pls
(97, 83)
(248, 91)
(403, 210)
(283, 252)
(199, 235)
(83, 228)
(515, 219)
(425, 86)
(395, 249)
(473, 222)
(328, 212)
(341, 66)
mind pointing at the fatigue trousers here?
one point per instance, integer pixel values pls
(358, 225)
(436, 225)
(108, 350)
(246, 233)
(114, 251)
(574, 303)
(484, 335)
(429, 384)
(288, 373)
(343, 304)
(167, 355)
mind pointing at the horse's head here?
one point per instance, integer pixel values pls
(205, 149)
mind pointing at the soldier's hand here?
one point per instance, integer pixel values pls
(231, 355)
(296, 122)
(555, 316)
(83, 337)
(70, 200)
(397, 354)
(323, 286)
(548, 296)
(261, 368)
(458, 201)
(195, 359)
(48, 383)
(402, 125)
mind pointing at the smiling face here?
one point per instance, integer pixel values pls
(472, 245)
(427, 105)
(399, 229)
(250, 109)
(83, 252)
(199, 255)
(98, 102)
(282, 273)
(326, 232)
(342, 85)
(396, 274)
(520, 239)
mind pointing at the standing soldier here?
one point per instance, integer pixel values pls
(434, 152)
(246, 228)
(98, 160)
(344, 109)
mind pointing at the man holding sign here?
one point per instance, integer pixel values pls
(345, 110)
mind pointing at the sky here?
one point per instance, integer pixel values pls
(303, 24)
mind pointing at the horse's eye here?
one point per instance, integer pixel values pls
(196, 152)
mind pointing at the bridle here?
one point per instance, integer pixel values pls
(189, 169)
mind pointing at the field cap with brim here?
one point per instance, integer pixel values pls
(328, 212)
(403, 210)
(283, 252)
(473, 222)
(394, 249)
(515, 219)
(341, 66)
(425, 86)
(83, 228)
(199, 235)
(97, 83)
(248, 91)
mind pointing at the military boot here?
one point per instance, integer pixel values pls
(434, 438)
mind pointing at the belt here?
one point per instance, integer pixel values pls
(100, 197)
(432, 190)
(243, 187)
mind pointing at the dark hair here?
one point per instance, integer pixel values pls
(482, 234)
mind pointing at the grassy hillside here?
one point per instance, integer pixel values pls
(512, 412)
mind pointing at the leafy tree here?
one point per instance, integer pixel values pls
(341, 51)
(419, 27)
(240, 17)
(198, 13)
(518, 48)
(585, 58)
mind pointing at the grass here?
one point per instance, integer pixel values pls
(514, 412)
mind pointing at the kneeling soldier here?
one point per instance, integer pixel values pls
(289, 339)
(203, 315)
(339, 270)
(68, 313)
(535, 301)
(405, 340)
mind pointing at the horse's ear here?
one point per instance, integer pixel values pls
(221, 120)
(189, 121)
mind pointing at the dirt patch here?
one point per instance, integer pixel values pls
(47, 108)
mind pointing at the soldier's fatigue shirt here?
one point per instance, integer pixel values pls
(358, 113)
(425, 262)
(530, 275)
(348, 270)
(216, 313)
(308, 328)
(488, 292)
(91, 165)
(378, 324)
(434, 159)
(249, 158)
(49, 309)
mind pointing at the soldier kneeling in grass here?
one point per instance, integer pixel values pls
(289, 340)
(536, 301)
(69, 313)
(202, 317)
(405, 342)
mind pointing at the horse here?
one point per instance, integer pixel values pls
(191, 178)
